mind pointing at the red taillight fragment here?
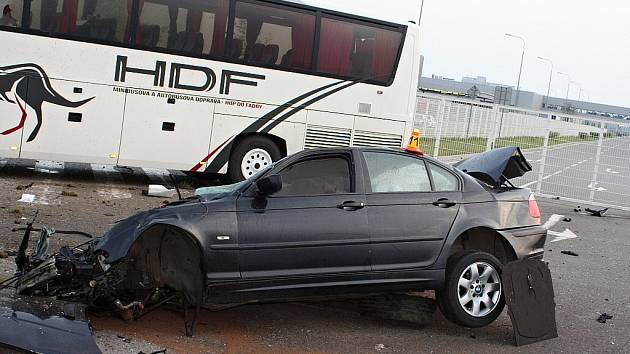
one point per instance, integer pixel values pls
(534, 211)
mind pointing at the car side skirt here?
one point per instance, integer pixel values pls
(341, 285)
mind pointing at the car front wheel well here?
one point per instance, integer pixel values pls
(166, 256)
(484, 240)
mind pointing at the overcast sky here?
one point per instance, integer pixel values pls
(586, 39)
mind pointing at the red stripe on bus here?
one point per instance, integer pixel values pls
(203, 162)
(22, 120)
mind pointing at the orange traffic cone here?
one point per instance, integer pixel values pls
(414, 143)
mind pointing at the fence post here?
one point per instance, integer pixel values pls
(593, 185)
(543, 158)
(426, 116)
(438, 133)
(493, 133)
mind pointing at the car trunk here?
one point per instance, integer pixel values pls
(496, 167)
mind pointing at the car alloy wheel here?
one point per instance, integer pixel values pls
(479, 289)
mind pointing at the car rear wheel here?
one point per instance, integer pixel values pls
(472, 295)
(250, 156)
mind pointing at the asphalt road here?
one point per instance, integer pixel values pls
(596, 281)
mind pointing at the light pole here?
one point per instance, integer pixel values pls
(421, 9)
(579, 94)
(566, 99)
(518, 85)
(550, 78)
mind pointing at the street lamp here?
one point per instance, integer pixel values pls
(421, 8)
(518, 85)
(550, 78)
(566, 99)
(583, 93)
(580, 94)
(580, 86)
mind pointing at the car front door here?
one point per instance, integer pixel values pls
(317, 223)
(411, 205)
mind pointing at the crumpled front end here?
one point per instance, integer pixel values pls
(128, 269)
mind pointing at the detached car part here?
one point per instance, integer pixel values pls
(68, 334)
(530, 299)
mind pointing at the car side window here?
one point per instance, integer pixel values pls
(319, 176)
(392, 173)
(443, 180)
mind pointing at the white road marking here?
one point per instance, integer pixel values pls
(593, 186)
(557, 173)
(611, 171)
(561, 236)
(553, 220)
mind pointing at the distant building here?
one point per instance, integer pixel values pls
(481, 90)
(480, 80)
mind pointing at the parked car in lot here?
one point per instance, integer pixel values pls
(325, 223)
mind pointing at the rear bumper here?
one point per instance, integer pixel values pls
(527, 242)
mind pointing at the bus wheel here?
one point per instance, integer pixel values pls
(251, 155)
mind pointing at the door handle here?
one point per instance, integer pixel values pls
(444, 203)
(351, 206)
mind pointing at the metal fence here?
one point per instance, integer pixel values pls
(579, 158)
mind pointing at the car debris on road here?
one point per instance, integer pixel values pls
(570, 253)
(599, 213)
(604, 317)
(530, 298)
(42, 332)
(160, 191)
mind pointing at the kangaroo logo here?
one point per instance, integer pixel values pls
(30, 86)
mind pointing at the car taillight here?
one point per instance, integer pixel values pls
(534, 211)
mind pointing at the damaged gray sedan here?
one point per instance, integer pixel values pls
(319, 224)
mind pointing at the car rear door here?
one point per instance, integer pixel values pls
(317, 224)
(411, 205)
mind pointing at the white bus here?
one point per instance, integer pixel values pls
(221, 86)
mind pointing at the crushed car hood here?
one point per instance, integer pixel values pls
(497, 166)
(117, 241)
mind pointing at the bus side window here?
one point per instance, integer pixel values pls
(11, 13)
(363, 52)
(101, 20)
(198, 27)
(273, 35)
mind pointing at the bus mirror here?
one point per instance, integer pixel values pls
(269, 185)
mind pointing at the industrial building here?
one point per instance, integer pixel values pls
(480, 89)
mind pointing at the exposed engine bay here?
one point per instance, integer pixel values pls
(132, 287)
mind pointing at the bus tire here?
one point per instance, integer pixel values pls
(251, 155)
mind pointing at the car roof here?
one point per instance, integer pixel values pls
(373, 148)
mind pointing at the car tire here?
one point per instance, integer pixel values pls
(472, 298)
(251, 155)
